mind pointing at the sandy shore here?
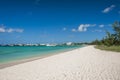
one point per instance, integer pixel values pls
(85, 63)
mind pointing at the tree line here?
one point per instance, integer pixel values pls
(111, 39)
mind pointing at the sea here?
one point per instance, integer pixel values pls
(15, 53)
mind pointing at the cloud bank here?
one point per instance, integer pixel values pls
(10, 30)
(108, 9)
(83, 27)
(102, 25)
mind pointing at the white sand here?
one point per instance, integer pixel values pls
(85, 63)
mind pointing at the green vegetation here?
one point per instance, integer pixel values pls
(111, 40)
(111, 48)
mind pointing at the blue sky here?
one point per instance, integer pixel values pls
(56, 21)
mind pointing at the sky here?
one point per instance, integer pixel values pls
(56, 21)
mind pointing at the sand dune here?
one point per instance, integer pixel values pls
(85, 63)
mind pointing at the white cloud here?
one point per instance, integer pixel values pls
(83, 27)
(14, 30)
(10, 30)
(74, 30)
(64, 29)
(2, 29)
(102, 25)
(98, 31)
(108, 9)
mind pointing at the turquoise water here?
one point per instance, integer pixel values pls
(9, 54)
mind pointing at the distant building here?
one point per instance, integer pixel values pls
(42, 44)
(69, 43)
(20, 44)
(50, 44)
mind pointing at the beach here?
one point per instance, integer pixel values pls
(85, 63)
(10, 56)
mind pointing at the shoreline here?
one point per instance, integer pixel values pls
(12, 63)
(86, 63)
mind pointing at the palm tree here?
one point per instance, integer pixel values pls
(116, 28)
(110, 39)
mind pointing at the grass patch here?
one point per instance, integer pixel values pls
(111, 48)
